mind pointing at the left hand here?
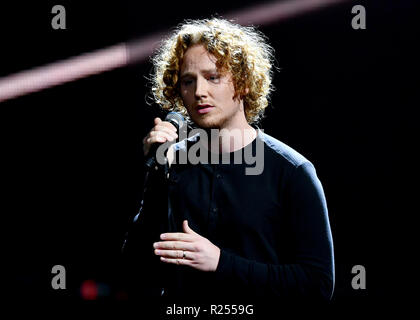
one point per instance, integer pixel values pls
(188, 248)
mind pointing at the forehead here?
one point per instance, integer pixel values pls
(197, 58)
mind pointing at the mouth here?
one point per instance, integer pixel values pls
(204, 108)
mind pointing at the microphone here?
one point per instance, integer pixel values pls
(178, 121)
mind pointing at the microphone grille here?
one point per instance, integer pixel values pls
(175, 118)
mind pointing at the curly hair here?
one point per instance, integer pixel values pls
(242, 51)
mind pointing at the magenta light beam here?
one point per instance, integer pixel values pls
(123, 54)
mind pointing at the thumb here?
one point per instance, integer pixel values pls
(157, 121)
(187, 228)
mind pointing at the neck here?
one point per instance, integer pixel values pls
(230, 138)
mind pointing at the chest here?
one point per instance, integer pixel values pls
(223, 199)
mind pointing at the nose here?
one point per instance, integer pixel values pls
(201, 88)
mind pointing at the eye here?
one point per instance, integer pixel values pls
(186, 82)
(214, 77)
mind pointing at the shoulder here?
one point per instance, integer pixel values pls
(301, 172)
(281, 152)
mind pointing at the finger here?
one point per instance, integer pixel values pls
(165, 129)
(170, 253)
(167, 136)
(175, 254)
(155, 139)
(177, 261)
(174, 245)
(187, 228)
(158, 136)
(168, 125)
(157, 120)
(180, 236)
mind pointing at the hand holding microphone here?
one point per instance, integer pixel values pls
(162, 131)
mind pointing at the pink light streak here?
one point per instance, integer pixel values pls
(60, 72)
(123, 54)
(278, 11)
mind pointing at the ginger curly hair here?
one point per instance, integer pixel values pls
(242, 51)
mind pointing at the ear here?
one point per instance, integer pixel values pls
(241, 96)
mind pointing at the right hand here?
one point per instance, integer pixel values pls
(162, 131)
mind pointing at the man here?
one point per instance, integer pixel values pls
(231, 236)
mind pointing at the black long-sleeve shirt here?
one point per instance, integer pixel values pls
(272, 228)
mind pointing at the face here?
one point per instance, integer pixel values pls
(207, 93)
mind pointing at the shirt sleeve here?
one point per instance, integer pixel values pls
(312, 272)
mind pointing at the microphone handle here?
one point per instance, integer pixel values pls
(151, 159)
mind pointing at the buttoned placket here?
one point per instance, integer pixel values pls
(214, 205)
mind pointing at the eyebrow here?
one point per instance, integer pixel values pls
(187, 74)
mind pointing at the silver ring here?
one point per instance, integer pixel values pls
(183, 255)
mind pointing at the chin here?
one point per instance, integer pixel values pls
(207, 122)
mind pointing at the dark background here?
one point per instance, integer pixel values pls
(72, 160)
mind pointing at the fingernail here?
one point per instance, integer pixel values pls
(155, 245)
(162, 236)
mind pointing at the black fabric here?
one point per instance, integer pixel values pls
(272, 229)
